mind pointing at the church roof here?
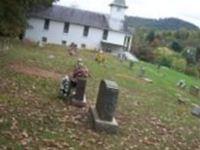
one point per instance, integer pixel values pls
(120, 3)
(75, 16)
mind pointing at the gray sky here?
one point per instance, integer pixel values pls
(188, 10)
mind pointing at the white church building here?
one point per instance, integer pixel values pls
(91, 30)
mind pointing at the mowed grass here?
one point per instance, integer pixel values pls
(149, 116)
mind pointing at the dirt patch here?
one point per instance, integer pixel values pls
(35, 71)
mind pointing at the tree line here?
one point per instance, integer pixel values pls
(178, 49)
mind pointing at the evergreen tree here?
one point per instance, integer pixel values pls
(176, 46)
(151, 36)
(13, 14)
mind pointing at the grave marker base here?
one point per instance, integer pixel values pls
(79, 103)
(101, 125)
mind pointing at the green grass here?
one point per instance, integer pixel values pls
(148, 114)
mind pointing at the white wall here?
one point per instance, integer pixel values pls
(117, 12)
(116, 38)
(55, 34)
(115, 24)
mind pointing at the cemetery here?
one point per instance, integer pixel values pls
(115, 107)
(99, 75)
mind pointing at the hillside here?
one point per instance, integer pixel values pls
(33, 117)
(161, 24)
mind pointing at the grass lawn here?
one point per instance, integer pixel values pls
(32, 116)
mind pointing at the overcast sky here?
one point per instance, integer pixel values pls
(184, 9)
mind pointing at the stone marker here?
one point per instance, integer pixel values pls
(148, 80)
(195, 90)
(142, 72)
(79, 99)
(181, 84)
(103, 113)
(131, 64)
(196, 111)
(181, 100)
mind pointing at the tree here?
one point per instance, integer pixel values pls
(176, 46)
(198, 54)
(182, 34)
(151, 36)
(13, 14)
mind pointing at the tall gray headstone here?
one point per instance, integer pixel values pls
(107, 100)
(104, 111)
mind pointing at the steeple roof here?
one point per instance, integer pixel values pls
(119, 3)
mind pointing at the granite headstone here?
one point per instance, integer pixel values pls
(107, 100)
(104, 111)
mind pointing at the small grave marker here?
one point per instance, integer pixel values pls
(79, 99)
(196, 111)
(142, 72)
(195, 90)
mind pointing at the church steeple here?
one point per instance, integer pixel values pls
(117, 14)
(119, 3)
(118, 8)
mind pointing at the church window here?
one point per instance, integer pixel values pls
(105, 34)
(44, 39)
(64, 42)
(66, 27)
(46, 24)
(86, 31)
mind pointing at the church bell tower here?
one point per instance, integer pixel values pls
(117, 14)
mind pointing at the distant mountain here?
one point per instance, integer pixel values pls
(161, 24)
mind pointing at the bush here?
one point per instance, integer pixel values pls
(166, 57)
(163, 55)
(145, 53)
(192, 70)
(178, 62)
(164, 61)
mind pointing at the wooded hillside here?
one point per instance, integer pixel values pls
(161, 24)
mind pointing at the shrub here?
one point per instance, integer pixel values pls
(164, 61)
(178, 62)
(192, 70)
(145, 53)
(163, 55)
(166, 57)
